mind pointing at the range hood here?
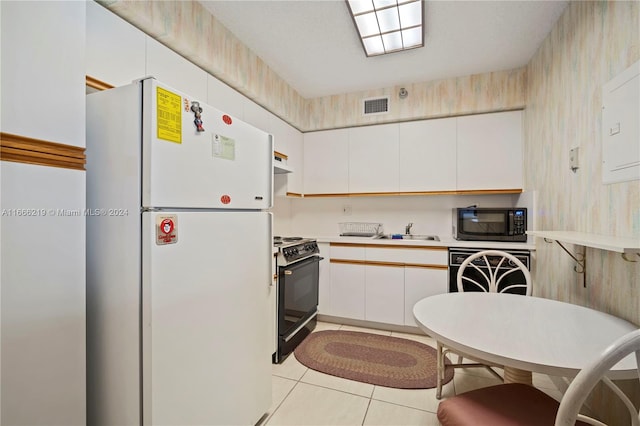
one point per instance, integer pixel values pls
(280, 164)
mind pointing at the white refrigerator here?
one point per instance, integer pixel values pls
(179, 257)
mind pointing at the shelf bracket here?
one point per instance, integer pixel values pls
(579, 258)
(624, 256)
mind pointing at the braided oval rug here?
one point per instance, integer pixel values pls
(371, 358)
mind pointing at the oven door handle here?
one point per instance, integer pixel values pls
(313, 259)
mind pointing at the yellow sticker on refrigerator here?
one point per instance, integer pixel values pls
(169, 115)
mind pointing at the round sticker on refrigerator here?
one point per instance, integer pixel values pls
(225, 199)
(166, 226)
(227, 119)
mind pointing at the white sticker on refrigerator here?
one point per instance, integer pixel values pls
(224, 147)
(166, 229)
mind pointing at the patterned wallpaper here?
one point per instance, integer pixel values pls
(591, 43)
(495, 91)
(188, 28)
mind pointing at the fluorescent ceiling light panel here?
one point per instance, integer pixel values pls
(367, 24)
(387, 26)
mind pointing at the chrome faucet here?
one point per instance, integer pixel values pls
(407, 229)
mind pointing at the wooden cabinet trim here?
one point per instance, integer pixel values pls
(393, 246)
(97, 84)
(391, 264)
(349, 261)
(419, 193)
(280, 155)
(419, 265)
(21, 149)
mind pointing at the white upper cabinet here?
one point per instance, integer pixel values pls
(295, 151)
(288, 141)
(43, 70)
(428, 155)
(373, 158)
(489, 151)
(172, 69)
(326, 162)
(224, 98)
(282, 133)
(115, 49)
(257, 116)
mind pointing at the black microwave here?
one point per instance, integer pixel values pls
(490, 224)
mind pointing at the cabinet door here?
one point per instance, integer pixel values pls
(257, 116)
(172, 69)
(373, 158)
(115, 49)
(295, 151)
(428, 155)
(43, 70)
(347, 291)
(326, 162)
(384, 294)
(224, 98)
(490, 151)
(420, 283)
(281, 132)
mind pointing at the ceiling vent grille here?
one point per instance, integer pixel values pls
(375, 106)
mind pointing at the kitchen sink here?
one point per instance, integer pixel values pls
(407, 237)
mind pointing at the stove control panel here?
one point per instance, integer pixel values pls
(299, 251)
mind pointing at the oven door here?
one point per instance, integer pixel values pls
(297, 294)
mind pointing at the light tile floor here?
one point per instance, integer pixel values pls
(302, 396)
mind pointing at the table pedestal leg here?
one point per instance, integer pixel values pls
(514, 375)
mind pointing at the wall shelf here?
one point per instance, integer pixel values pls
(629, 248)
(622, 245)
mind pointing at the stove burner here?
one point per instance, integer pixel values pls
(278, 241)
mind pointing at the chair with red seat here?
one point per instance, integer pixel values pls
(517, 404)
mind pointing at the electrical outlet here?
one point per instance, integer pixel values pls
(573, 159)
(346, 209)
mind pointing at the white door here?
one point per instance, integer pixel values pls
(206, 344)
(229, 164)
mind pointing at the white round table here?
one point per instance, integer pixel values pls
(523, 332)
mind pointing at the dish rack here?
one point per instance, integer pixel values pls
(360, 229)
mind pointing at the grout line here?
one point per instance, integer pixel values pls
(366, 412)
(280, 404)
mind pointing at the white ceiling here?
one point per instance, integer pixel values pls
(313, 44)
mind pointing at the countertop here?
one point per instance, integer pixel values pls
(445, 242)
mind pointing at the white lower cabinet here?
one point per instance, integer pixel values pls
(419, 283)
(380, 284)
(384, 294)
(347, 291)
